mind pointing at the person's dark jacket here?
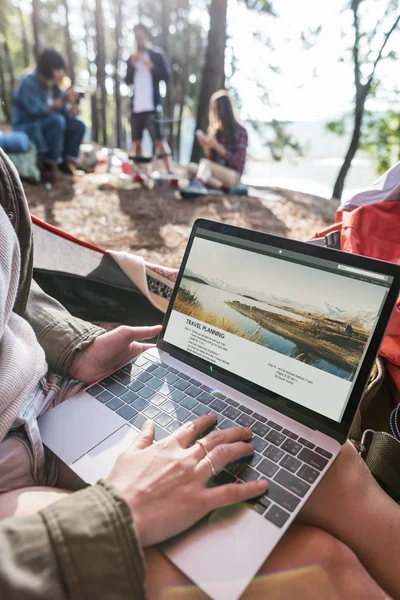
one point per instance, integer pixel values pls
(84, 546)
(161, 72)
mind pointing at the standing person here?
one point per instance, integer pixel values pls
(145, 70)
(49, 116)
(224, 147)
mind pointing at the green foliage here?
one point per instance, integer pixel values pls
(338, 127)
(277, 138)
(381, 139)
(263, 6)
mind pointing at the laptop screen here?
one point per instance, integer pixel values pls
(292, 323)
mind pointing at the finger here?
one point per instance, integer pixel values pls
(233, 493)
(223, 455)
(132, 334)
(189, 432)
(145, 437)
(137, 348)
(225, 436)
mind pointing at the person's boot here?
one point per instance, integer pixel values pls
(67, 167)
(48, 172)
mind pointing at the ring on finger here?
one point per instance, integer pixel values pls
(210, 462)
(203, 446)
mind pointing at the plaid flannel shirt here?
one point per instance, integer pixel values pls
(235, 158)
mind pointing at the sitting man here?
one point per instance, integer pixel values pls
(49, 116)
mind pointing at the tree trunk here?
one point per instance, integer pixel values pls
(94, 118)
(117, 89)
(3, 92)
(353, 147)
(25, 43)
(68, 44)
(10, 66)
(101, 70)
(37, 44)
(184, 90)
(167, 47)
(213, 74)
(88, 40)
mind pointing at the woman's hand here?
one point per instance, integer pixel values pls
(110, 351)
(210, 141)
(201, 137)
(165, 483)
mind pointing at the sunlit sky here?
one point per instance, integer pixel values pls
(312, 84)
(259, 274)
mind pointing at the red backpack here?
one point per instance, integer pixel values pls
(373, 230)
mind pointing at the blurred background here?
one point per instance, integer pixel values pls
(316, 82)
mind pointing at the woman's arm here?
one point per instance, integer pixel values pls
(59, 333)
(219, 148)
(235, 159)
(84, 546)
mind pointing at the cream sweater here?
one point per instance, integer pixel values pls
(22, 360)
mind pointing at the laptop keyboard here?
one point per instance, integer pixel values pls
(147, 389)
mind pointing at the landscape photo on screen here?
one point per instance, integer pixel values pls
(314, 316)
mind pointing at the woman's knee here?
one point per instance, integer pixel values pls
(205, 162)
(308, 546)
(303, 545)
(342, 489)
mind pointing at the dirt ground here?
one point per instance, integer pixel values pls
(156, 223)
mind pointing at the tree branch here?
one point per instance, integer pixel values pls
(356, 48)
(379, 56)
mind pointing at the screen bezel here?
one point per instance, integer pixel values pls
(308, 417)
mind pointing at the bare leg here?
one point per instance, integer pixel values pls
(311, 565)
(215, 175)
(137, 147)
(192, 169)
(164, 149)
(351, 506)
(318, 565)
(28, 501)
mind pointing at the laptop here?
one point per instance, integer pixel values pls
(266, 332)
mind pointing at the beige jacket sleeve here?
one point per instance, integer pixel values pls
(59, 333)
(83, 547)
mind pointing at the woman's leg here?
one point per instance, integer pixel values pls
(215, 175)
(349, 504)
(339, 573)
(28, 501)
(192, 169)
(310, 562)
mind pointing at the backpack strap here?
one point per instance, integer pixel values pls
(332, 240)
(329, 240)
(381, 453)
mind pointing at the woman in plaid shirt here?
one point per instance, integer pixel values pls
(224, 146)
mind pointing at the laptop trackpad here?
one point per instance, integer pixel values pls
(99, 461)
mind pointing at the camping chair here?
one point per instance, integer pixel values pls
(96, 285)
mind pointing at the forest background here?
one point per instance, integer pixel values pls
(304, 81)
